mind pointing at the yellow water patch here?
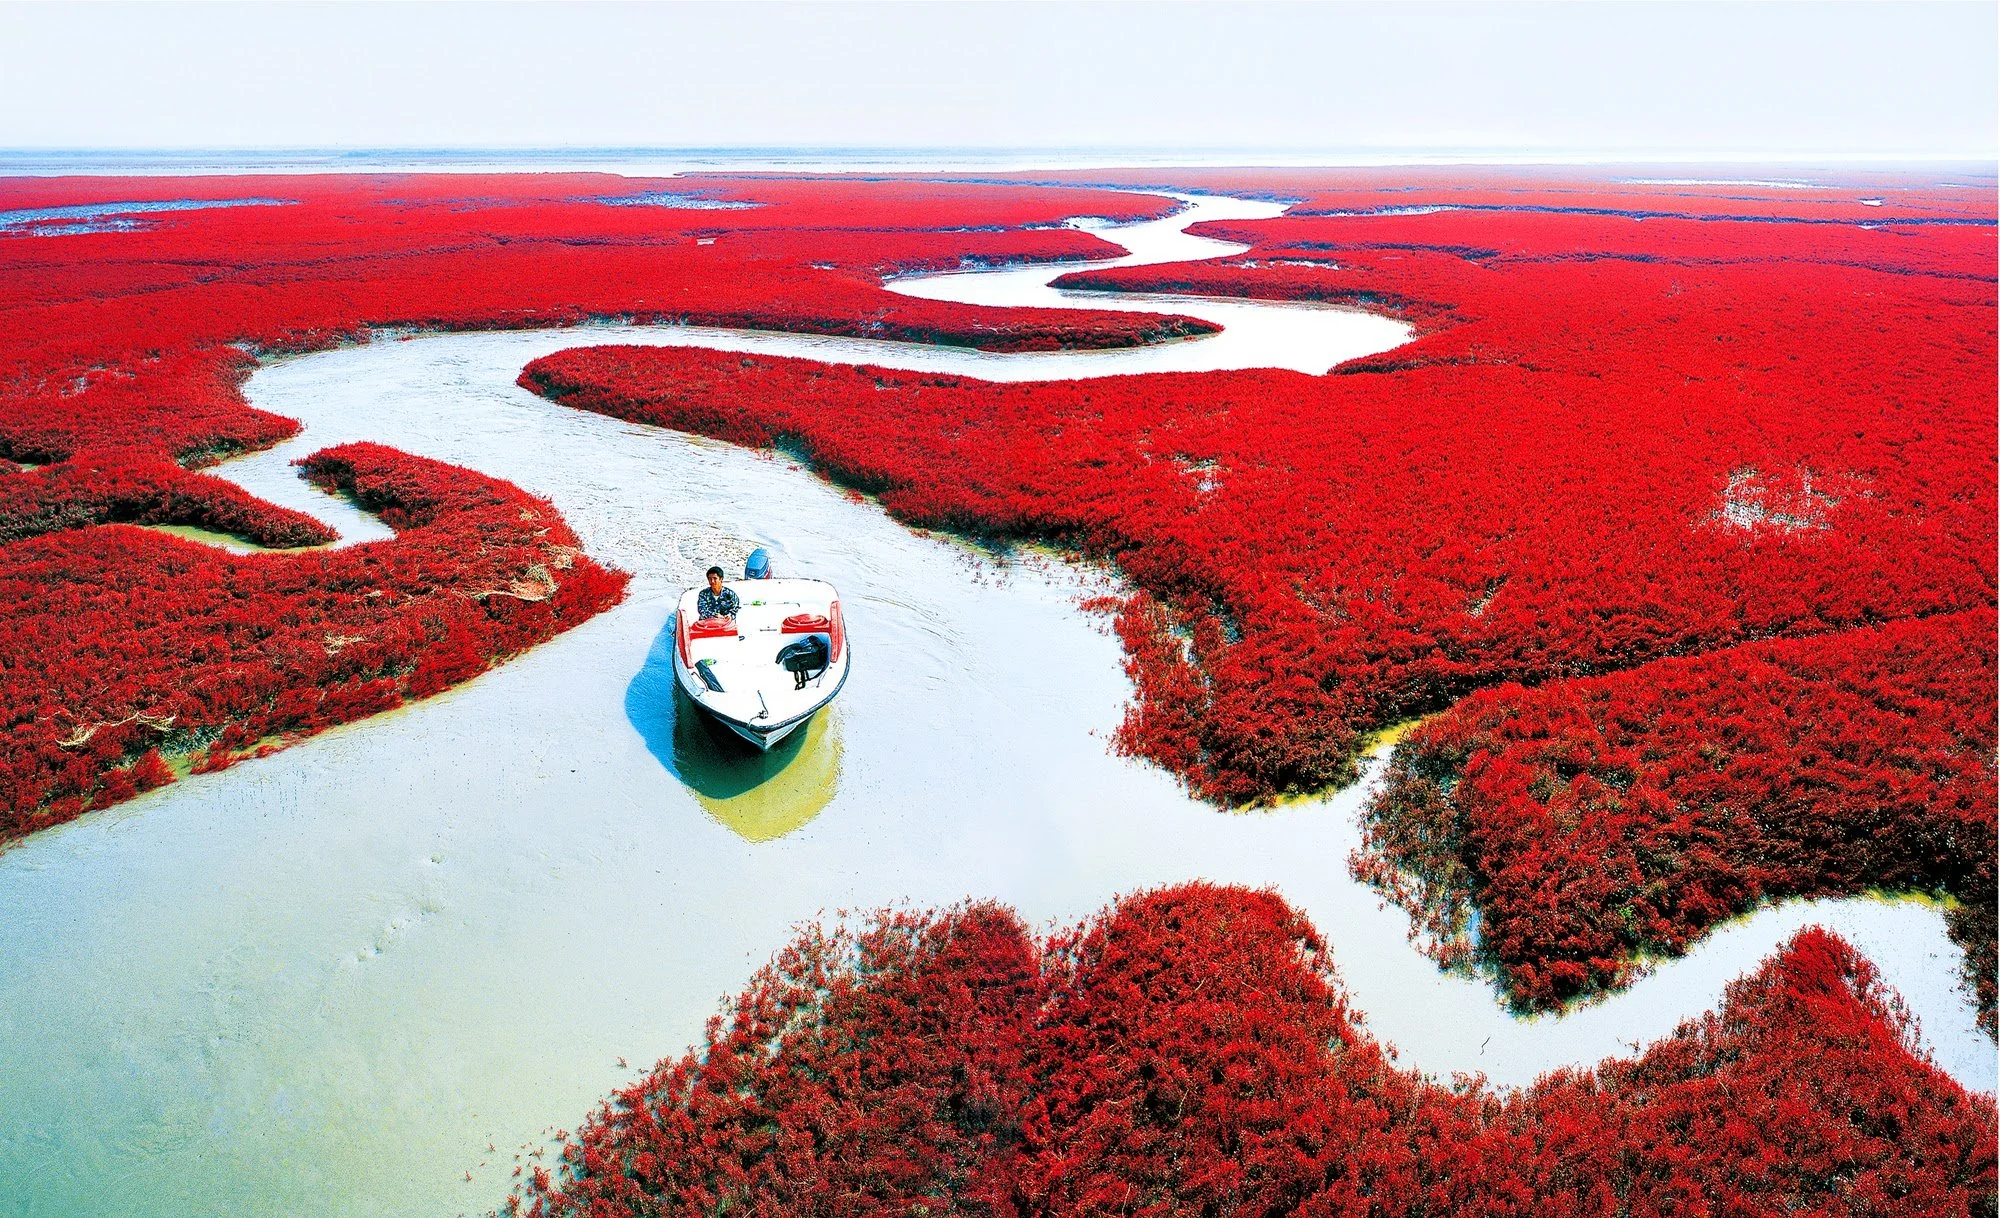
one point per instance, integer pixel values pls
(1383, 741)
(1943, 902)
(760, 797)
(1379, 743)
(207, 537)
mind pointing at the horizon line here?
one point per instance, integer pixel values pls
(1505, 152)
(640, 161)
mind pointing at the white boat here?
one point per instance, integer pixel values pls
(766, 672)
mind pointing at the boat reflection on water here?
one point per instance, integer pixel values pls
(759, 796)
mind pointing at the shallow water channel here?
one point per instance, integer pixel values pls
(360, 976)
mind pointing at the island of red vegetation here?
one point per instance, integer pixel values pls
(1640, 422)
(126, 655)
(1190, 1051)
(1589, 821)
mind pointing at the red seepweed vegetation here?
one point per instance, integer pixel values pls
(124, 645)
(1191, 1051)
(1641, 421)
(122, 355)
(1591, 821)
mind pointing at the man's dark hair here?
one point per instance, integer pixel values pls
(715, 571)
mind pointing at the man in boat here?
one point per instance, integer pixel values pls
(716, 600)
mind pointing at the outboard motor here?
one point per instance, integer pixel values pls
(805, 659)
(759, 566)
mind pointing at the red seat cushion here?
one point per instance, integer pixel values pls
(712, 628)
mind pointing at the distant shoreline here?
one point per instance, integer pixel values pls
(45, 162)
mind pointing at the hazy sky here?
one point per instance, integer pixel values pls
(1878, 79)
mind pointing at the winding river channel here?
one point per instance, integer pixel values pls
(361, 976)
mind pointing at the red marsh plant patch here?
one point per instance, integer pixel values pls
(1190, 1050)
(121, 645)
(1588, 821)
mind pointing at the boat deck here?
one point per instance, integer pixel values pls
(757, 691)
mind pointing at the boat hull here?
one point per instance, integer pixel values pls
(765, 740)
